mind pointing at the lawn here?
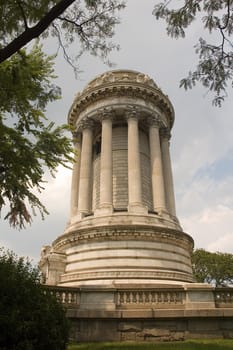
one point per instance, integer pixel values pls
(210, 344)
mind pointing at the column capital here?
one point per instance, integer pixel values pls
(165, 133)
(76, 137)
(153, 120)
(86, 123)
(106, 113)
(132, 112)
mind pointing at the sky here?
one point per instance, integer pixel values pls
(201, 144)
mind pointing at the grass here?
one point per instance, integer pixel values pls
(202, 344)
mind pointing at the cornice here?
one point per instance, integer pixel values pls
(125, 232)
(137, 85)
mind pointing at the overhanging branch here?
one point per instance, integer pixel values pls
(34, 32)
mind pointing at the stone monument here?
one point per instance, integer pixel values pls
(123, 250)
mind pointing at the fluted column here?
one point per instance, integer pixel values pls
(106, 166)
(134, 167)
(158, 191)
(85, 188)
(167, 169)
(75, 177)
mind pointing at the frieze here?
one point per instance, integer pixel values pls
(177, 238)
(145, 114)
(126, 274)
(154, 96)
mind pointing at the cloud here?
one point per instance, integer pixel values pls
(56, 194)
(211, 228)
(223, 244)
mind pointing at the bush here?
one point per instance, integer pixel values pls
(29, 318)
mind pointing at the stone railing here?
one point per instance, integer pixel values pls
(223, 297)
(149, 297)
(68, 296)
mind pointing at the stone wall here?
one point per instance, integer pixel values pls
(150, 330)
(171, 313)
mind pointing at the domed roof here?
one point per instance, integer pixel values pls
(121, 76)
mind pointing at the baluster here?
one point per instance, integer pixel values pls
(143, 297)
(69, 298)
(118, 301)
(124, 297)
(121, 297)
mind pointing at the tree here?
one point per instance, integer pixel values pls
(30, 144)
(216, 268)
(90, 23)
(29, 318)
(27, 143)
(215, 67)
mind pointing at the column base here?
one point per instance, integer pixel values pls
(161, 211)
(105, 209)
(137, 208)
(82, 214)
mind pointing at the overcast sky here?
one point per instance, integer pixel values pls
(201, 144)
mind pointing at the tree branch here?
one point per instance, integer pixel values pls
(23, 14)
(34, 32)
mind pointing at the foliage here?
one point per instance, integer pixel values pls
(215, 67)
(29, 318)
(214, 268)
(90, 24)
(205, 344)
(29, 144)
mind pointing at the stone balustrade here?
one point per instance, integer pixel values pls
(70, 297)
(153, 298)
(223, 297)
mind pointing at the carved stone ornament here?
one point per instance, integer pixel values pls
(122, 83)
(105, 113)
(121, 76)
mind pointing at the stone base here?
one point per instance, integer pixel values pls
(149, 330)
(119, 252)
(162, 312)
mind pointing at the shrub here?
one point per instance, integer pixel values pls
(29, 318)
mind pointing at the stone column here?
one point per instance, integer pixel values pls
(75, 177)
(106, 166)
(158, 191)
(167, 171)
(134, 168)
(85, 185)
